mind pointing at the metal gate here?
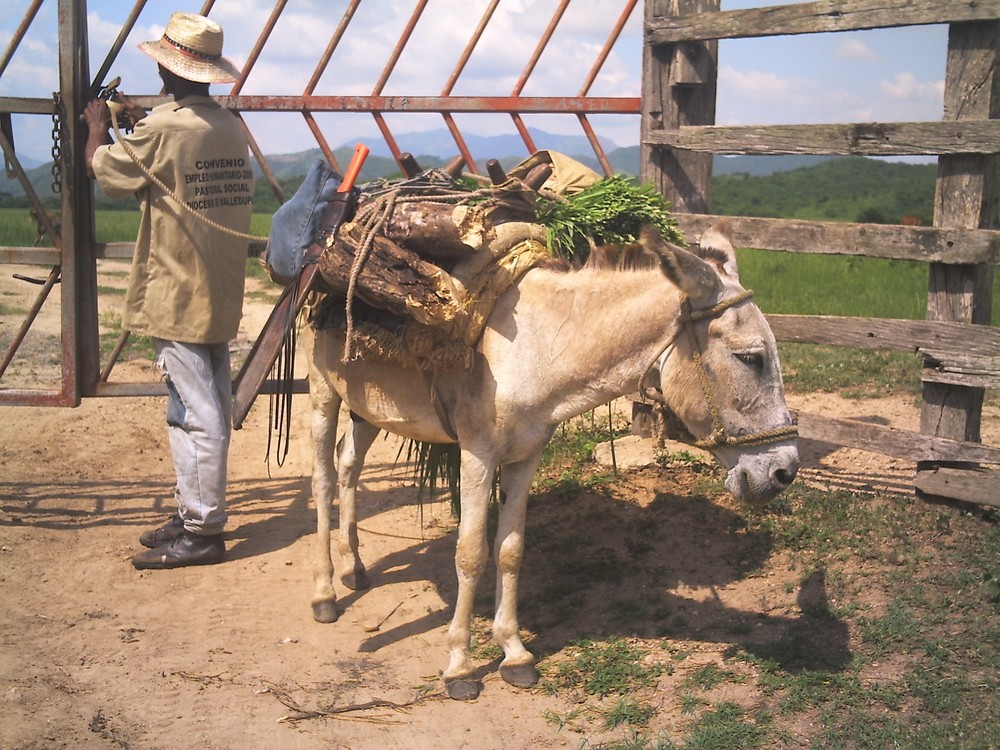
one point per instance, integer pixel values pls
(72, 261)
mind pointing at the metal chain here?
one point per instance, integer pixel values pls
(56, 143)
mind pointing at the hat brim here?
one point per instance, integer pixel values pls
(191, 68)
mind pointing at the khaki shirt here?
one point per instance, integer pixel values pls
(187, 277)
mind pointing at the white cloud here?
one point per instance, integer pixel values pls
(755, 84)
(852, 48)
(907, 86)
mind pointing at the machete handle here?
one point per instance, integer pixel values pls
(354, 168)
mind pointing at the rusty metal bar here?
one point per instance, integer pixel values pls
(526, 73)
(390, 65)
(321, 140)
(22, 29)
(540, 47)
(82, 372)
(522, 129)
(463, 148)
(112, 55)
(43, 295)
(606, 50)
(595, 144)
(589, 81)
(258, 154)
(334, 42)
(398, 49)
(258, 47)
(14, 165)
(612, 105)
(78, 291)
(463, 59)
(113, 357)
(387, 135)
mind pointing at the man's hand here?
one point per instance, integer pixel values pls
(97, 116)
(132, 111)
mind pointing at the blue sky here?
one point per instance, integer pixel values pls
(884, 75)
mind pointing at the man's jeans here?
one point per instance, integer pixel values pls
(199, 425)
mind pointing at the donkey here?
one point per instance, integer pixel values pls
(675, 324)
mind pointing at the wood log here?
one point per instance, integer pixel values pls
(438, 231)
(392, 278)
(429, 229)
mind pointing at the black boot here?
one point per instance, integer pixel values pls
(185, 549)
(166, 533)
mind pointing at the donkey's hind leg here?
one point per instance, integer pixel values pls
(357, 439)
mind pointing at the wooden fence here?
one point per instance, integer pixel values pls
(961, 351)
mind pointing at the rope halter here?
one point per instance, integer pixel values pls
(718, 437)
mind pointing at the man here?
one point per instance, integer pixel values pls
(188, 162)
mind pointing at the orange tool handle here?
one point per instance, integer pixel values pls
(354, 168)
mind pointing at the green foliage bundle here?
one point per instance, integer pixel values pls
(611, 211)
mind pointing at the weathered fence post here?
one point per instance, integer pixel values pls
(678, 88)
(967, 195)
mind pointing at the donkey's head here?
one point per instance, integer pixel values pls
(721, 375)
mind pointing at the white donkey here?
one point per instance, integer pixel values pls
(558, 343)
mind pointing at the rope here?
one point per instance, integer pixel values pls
(113, 106)
(371, 217)
(372, 223)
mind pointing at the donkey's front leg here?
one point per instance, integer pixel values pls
(325, 412)
(357, 439)
(470, 560)
(518, 666)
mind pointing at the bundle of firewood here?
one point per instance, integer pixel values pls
(425, 258)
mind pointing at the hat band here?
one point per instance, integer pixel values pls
(190, 52)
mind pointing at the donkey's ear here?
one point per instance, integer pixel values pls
(694, 276)
(717, 248)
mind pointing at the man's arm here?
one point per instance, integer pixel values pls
(97, 116)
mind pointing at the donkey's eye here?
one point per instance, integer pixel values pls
(751, 359)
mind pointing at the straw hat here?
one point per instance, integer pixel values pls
(191, 47)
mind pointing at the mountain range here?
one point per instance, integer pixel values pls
(435, 148)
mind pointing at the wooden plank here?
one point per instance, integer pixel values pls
(888, 441)
(960, 377)
(838, 238)
(980, 486)
(810, 18)
(853, 139)
(944, 341)
(30, 256)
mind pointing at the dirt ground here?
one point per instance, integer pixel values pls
(96, 654)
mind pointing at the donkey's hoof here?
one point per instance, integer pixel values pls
(325, 611)
(463, 690)
(357, 581)
(520, 675)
